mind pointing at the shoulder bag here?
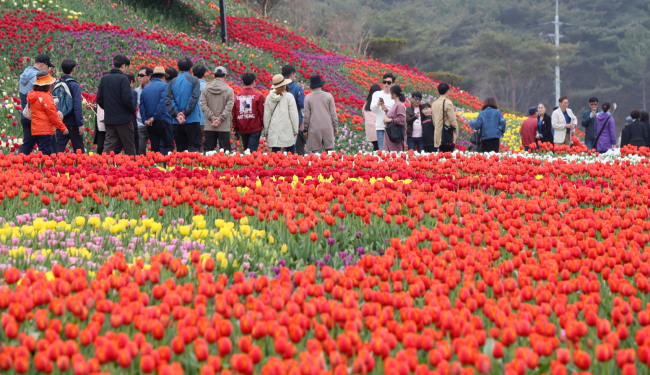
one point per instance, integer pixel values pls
(447, 130)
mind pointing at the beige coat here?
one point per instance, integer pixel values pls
(280, 119)
(320, 121)
(449, 119)
(559, 124)
(217, 100)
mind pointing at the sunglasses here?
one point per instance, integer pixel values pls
(143, 75)
(387, 82)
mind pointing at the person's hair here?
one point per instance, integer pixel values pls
(373, 89)
(199, 71)
(130, 76)
(593, 99)
(147, 70)
(120, 60)
(397, 90)
(159, 76)
(490, 102)
(220, 74)
(389, 75)
(635, 114)
(185, 65)
(542, 104)
(173, 73)
(288, 70)
(563, 98)
(425, 105)
(606, 106)
(281, 90)
(45, 88)
(248, 78)
(443, 88)
(68, 66)
(645, 117)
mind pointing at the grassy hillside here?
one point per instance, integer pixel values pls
(160, 34)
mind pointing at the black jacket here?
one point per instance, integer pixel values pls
(428, 131)
(114, 95)
(547, 132)
(410, 119)
(635, 134)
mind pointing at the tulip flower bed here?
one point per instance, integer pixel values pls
(331, 264)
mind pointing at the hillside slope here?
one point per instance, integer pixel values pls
(92, 32)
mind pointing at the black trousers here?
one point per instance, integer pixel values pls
(123, 132)
(212, 138)
(136, 140)
(188, 137)
(159, 133)
(72, 136)
(430, 149)
(491, 145)
(301, 142)
(447, 148)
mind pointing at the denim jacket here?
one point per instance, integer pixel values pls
(491, 123)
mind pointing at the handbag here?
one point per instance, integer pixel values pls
(27, 112)
(475, 142)
(447, 131)
(395, 133)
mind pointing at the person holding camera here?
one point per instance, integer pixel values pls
(588, 122)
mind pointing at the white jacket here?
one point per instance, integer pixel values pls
(559, 124)
(374, 107)
(282, 121)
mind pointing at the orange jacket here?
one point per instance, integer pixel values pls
(44, 113)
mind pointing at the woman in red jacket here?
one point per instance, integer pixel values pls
(44, 113)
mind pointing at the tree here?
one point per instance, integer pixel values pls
(634, 59)
(511, 57)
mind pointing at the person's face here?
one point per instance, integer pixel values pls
(564, 104)
(124, 68)
(426, 111)
(143, 78)
(593, 106)
(541, 110)
(416, 102)
(388, 83)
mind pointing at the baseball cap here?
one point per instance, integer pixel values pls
(45, 59)
(220, 69)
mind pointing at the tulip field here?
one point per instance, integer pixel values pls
(350, 262)
(326, 264)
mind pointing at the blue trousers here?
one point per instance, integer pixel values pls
(414, 143)
(380, 138)
(251, 141)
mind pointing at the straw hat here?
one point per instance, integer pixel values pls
(43, 78)
(279, 81)
(160, 70)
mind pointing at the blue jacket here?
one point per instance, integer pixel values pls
(77, 106)
(26, 84)
(152, 102)
(201, 115)
(589, 122)
(491, 123)
(299, 94)
(183, 96)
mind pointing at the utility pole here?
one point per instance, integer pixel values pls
(557, 52)
(224, 30)
(555, 38)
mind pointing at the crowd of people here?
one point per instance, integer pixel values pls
(599, 125)
(173, 110)
(423, 127)
(179, 110)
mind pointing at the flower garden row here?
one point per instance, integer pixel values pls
(325, 264)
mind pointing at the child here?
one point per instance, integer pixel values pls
(428, 129)
(44, 113)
